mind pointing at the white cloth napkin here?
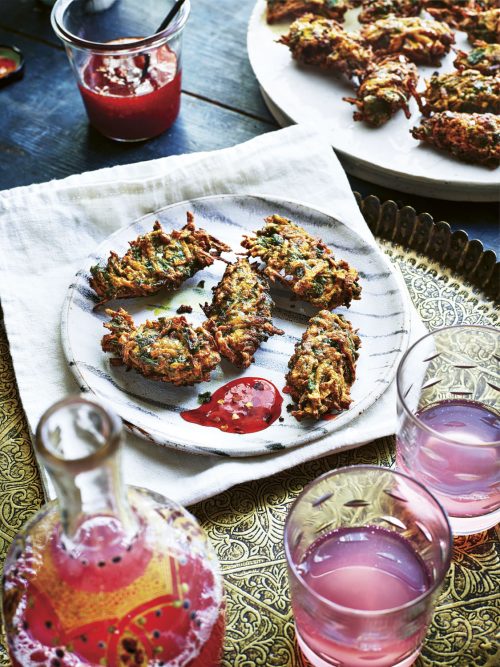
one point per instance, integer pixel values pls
(47, 230)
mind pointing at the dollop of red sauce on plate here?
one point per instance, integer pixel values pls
(245, 405)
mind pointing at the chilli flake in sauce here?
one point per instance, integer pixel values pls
(241, 406)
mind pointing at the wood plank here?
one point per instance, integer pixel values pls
(46, 134)
(215, 58)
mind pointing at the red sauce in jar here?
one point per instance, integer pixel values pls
(7, 65)
(246, 405)
(129, 98)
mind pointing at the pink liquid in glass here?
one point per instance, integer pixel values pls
(365, 569)
(465, 477)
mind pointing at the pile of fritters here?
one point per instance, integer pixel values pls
(380, 61)
(322, 368)
(239, 318)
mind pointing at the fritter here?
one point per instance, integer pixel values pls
(453, 12)
(239, 317)
(325, 44)
(156, 260)
(469, 137)
(423, 41)
(468, 91)
(482, 25)
(385, 88)
(303, 263)
(323, 366)
(484, 58)
(281, 10)
(166, 350)
(372, 10)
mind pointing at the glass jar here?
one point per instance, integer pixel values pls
(129, 75)
(107, 574)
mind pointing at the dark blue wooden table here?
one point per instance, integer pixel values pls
(44, 132)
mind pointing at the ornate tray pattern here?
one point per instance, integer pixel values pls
(246, 522)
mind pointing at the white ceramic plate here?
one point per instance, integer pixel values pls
(387, 155)
(151, 409)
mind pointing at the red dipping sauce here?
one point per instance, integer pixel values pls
(241, 406)
(129, 98)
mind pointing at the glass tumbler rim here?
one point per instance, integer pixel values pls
(410, 414)
(375, 613)
(127, 46)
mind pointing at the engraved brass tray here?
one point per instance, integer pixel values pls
(246, 522)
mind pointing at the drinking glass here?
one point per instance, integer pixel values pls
(129, 75)
(367, 549)
(449, 427)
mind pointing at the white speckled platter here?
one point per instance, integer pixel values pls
(387, 155)
(152, 409)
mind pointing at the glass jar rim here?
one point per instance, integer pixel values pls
(376, 613)
(421, 425)
(84, 463)
(133, 46)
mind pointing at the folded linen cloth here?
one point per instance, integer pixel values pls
(47, 230)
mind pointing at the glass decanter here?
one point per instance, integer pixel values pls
(107, 574)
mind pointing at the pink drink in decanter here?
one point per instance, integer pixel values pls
(108, 575)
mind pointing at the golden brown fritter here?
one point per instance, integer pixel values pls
(484, 58)
(166, 350)
(156, 260)
(423, 41)
(325, 44)
(239, 317)
(452, 12)
(468, 91)
(471, 137)
(303, 263)
(281, 10)
(385, 88)
(482, 25)
(372, 10)
(323, 366)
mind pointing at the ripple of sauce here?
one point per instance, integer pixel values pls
(241, 406)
